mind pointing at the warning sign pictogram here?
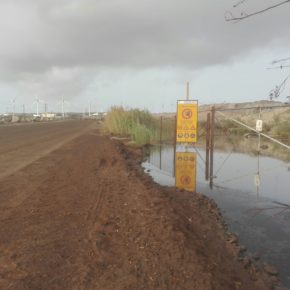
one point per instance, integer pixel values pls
(185, 180)
(186, 113)
(187, 121)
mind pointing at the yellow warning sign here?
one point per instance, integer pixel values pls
(185, 170)
(186, 121)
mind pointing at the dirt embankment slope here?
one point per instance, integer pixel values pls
(85, 217)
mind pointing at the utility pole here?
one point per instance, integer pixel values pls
(62, 107)
(187, 91)
(23, 108)
(13, 108)
(89, 110)
(37, 104)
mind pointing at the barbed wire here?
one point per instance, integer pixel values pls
(285, 105)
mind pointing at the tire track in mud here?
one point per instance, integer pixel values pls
(95, 210)
(98, 221)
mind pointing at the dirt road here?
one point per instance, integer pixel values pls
(22, 144)
(86, 217)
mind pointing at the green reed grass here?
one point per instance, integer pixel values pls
(137, 124)
(141, 126)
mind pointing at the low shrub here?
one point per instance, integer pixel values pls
(137, 124)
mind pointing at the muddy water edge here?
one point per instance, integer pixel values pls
(260, 218)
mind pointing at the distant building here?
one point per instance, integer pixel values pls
(98, 115)
(15, 119)
(47, 116)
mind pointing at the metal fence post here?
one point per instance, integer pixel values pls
(212, 125)
(207, 147)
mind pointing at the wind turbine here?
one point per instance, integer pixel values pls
(90, 105)
(10, 108)
(63, 101)
(37, 101)
(13, 107)
(94, 102)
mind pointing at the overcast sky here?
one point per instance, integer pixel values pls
(138, 53)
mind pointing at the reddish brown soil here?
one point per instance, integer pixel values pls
(86, 217)
(24, 143)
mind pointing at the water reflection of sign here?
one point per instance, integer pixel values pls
(186, 122)
(185, 170)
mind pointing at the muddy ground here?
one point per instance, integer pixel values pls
(23, 143)
(85, 216)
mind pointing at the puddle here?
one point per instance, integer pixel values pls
(259, 218)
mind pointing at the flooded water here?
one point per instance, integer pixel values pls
(257, 215)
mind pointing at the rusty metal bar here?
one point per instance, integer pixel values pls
(174, 153)
(212, 125)
(161, 125)
(207, 146)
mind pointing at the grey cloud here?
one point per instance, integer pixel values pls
(57, 82)
(38, 36)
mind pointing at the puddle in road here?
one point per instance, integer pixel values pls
(260, 219)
